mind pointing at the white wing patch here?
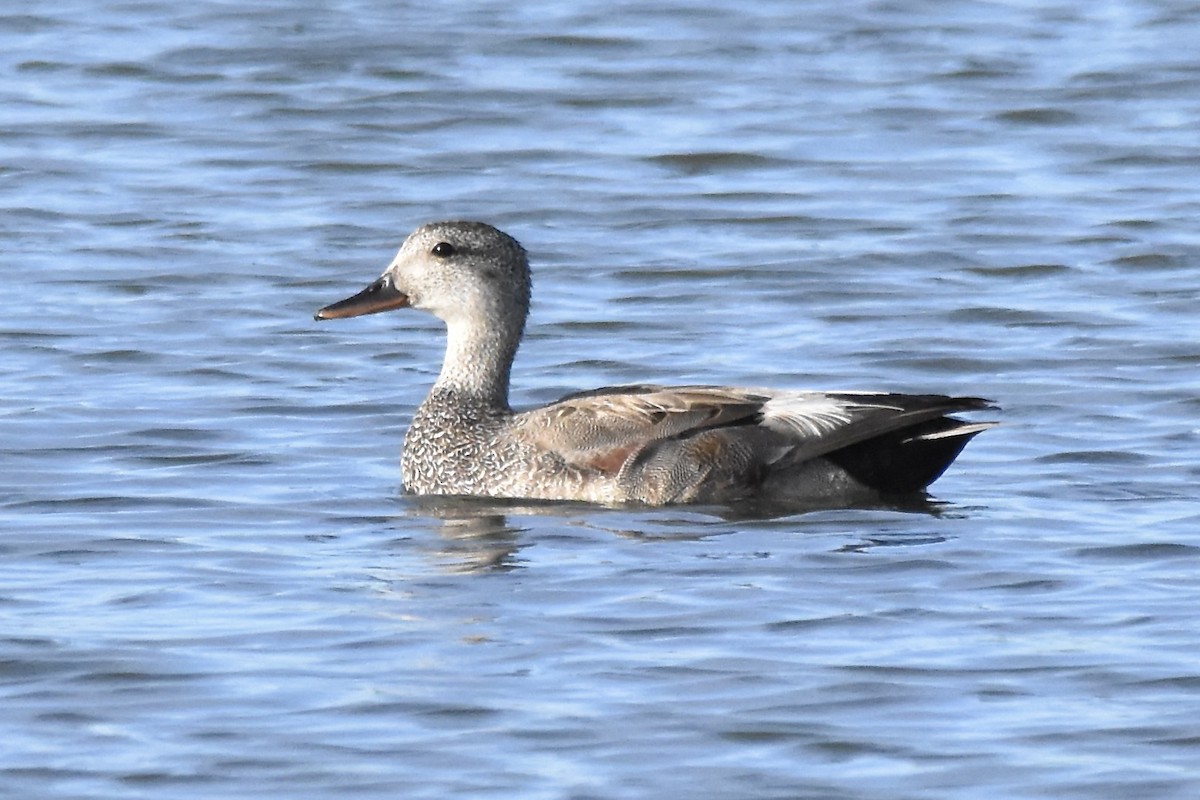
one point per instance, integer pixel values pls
(808, 415)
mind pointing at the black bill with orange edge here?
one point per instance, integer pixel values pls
(379, 296)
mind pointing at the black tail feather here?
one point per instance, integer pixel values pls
(907, 460)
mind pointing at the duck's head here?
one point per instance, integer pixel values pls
(458, 271)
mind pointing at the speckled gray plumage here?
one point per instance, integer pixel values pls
(646, 444)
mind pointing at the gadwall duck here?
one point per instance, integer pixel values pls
(629, 444)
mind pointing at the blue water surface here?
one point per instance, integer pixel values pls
(211, 585)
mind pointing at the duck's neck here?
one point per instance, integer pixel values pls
(477, 363)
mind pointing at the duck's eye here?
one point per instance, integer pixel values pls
(443, 250)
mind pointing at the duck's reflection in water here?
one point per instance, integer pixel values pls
(474, 534)
(477, 535)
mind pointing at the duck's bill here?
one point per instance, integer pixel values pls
(379, 296)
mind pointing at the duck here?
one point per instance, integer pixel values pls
(644, 444)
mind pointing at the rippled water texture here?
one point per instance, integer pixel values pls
(210, 585)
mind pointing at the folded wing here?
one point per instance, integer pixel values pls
(689, 443)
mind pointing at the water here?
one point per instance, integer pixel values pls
(211, 587)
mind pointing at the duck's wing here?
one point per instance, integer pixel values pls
(600, 429)
(605, 426)
(818, 423)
